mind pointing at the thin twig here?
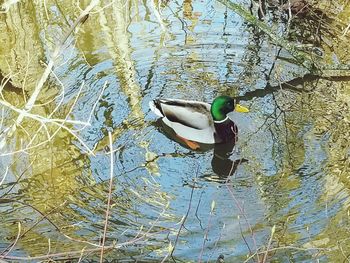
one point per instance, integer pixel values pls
(39, 117)
(216, 243)
(241, 211)
(207, 231)
(94, 107)
(4, 176)
(287, 247)
(269, 244)
(55, 255)
(185, 217)
(109, 194)
(242, 235)
(9, 248)
(81, 255)
(18, 178)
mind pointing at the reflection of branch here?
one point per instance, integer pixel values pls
(289, 85)
(157, 14)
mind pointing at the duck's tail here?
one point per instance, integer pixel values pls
(155, 106)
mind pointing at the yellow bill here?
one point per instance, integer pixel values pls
(240, 108)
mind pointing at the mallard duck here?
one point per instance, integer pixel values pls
(198, 122)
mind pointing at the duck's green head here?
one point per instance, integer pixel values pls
(222, 105)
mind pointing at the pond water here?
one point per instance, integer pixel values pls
(282, 194)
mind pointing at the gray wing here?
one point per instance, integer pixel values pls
(192, 114)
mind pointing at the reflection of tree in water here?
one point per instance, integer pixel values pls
(304, 142)
(62, 191)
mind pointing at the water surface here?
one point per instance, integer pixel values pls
(291, 158)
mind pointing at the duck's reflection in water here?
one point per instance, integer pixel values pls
(222, 164)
